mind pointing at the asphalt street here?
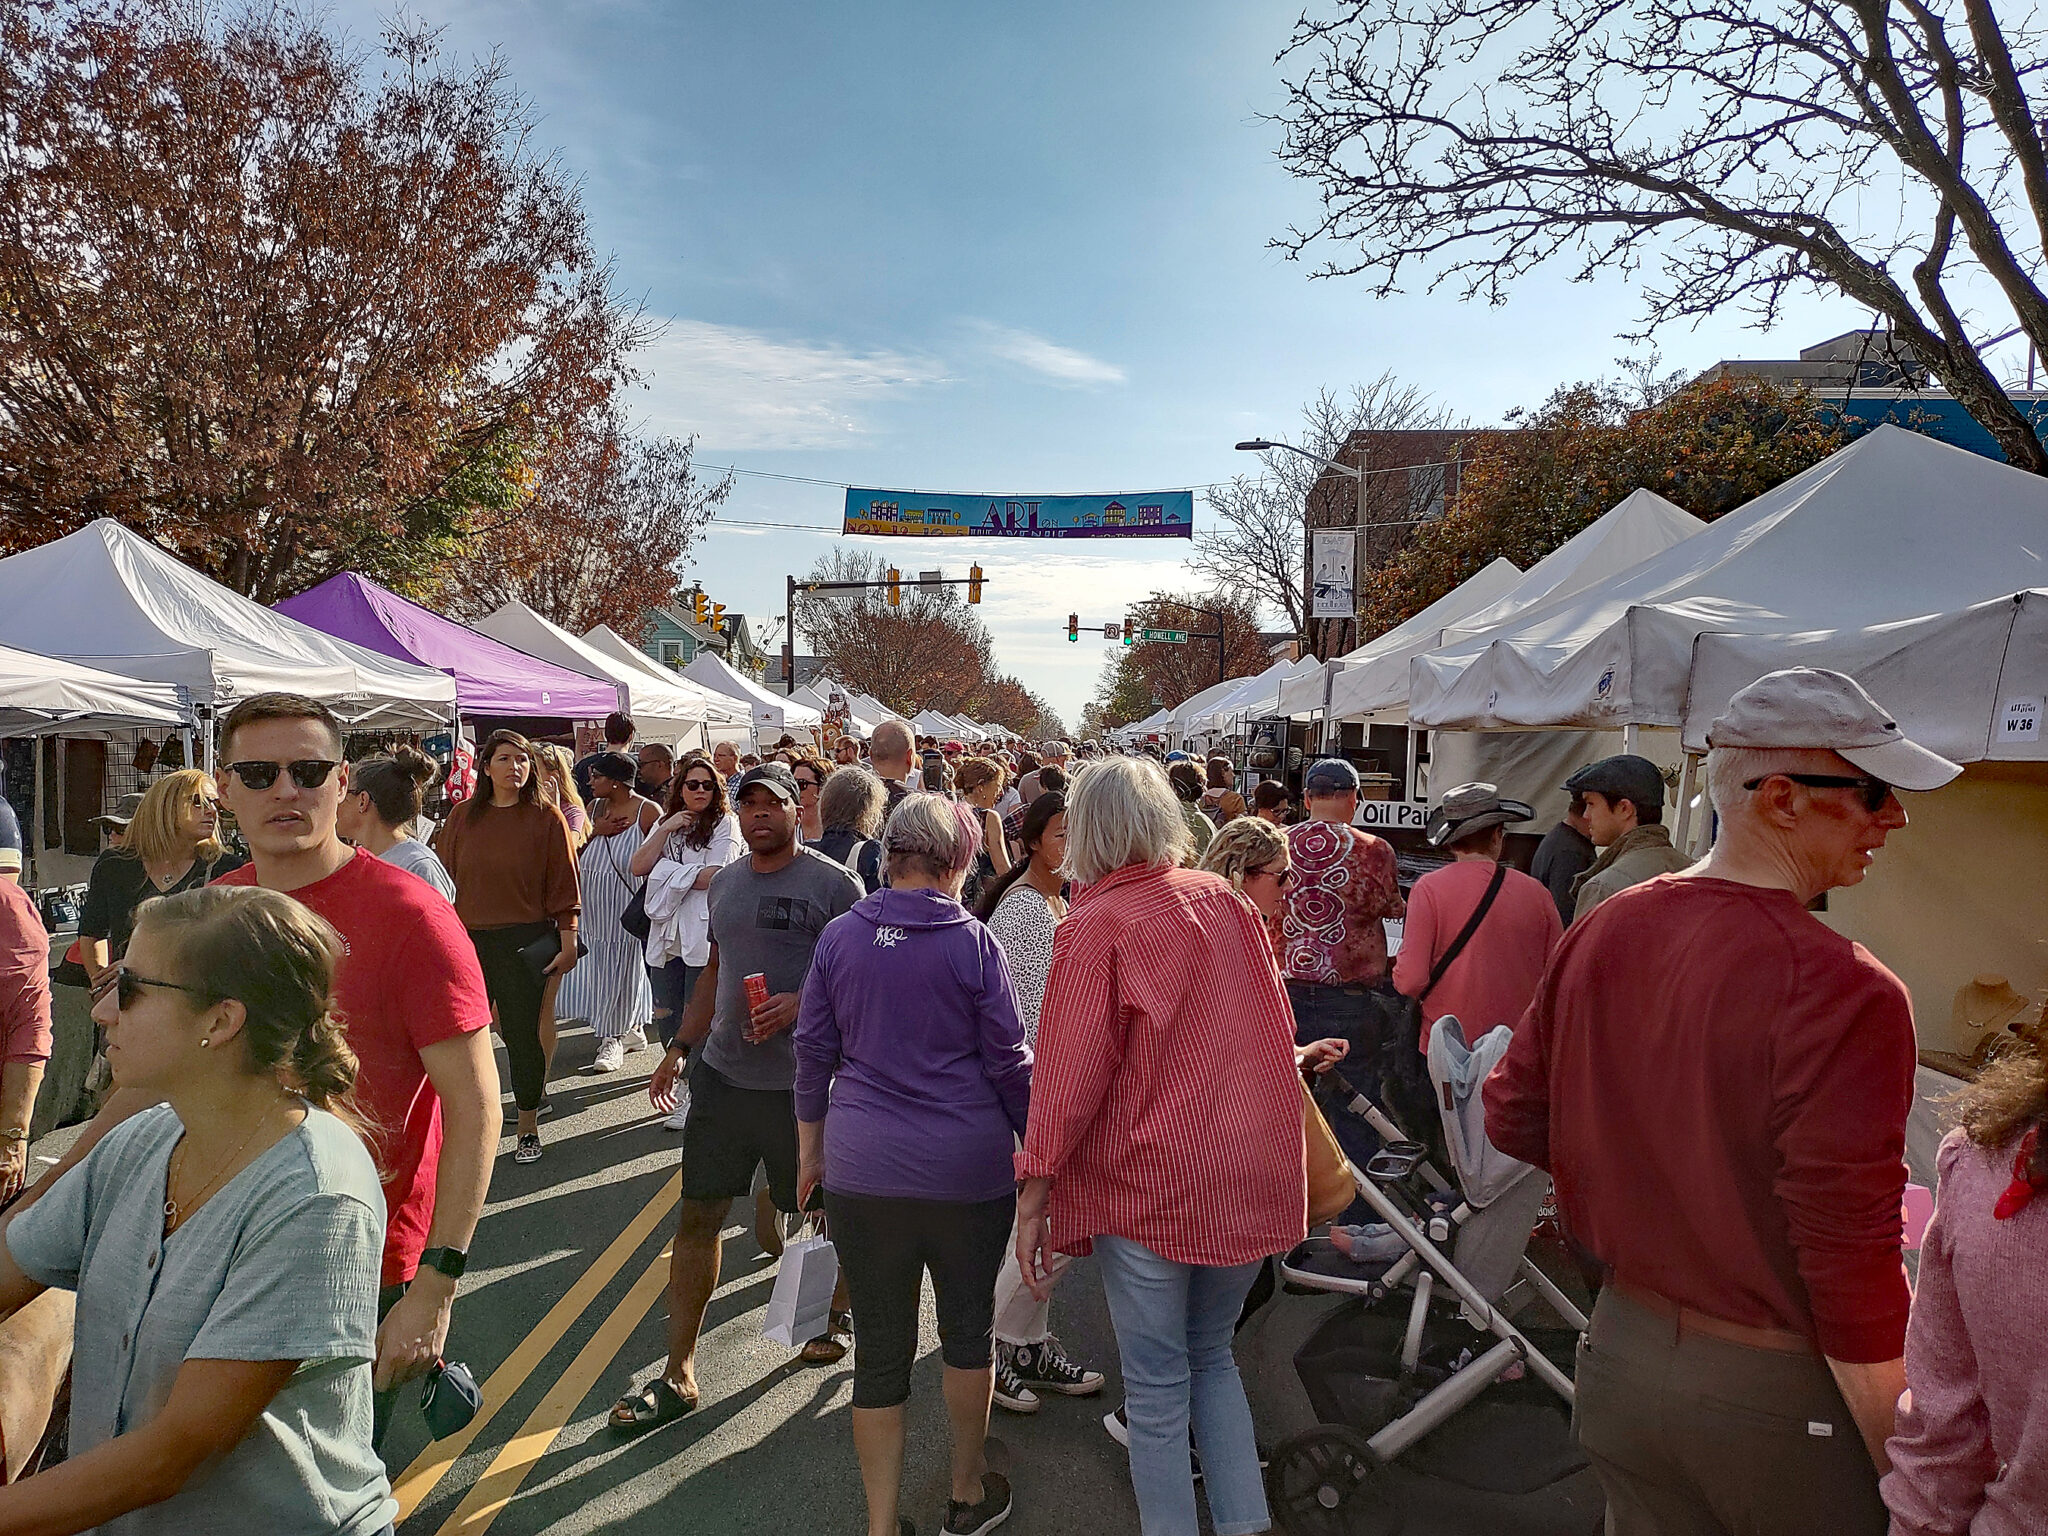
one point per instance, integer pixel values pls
(564, 1309)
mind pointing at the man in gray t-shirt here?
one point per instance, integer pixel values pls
(767, 911)
(767, 924)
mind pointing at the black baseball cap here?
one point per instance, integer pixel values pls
(775, 776)
(1621, 777)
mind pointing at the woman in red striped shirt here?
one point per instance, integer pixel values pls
(1165, 1133)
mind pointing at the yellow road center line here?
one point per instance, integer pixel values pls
(487, 1498)
(418, 1480)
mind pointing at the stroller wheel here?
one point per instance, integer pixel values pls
(1327, 1482)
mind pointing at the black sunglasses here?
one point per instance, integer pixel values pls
(704, 784)
(127, 986)
(1875, 791)
(806, 782)
(307, 772)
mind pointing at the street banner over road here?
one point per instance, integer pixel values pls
(1130, 515)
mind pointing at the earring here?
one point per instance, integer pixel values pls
(205, 1041)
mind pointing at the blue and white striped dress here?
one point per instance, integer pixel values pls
(608, 989)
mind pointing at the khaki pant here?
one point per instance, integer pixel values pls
(1694, 1436)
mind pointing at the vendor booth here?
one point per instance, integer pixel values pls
(492, 680)
(772, 715)
(109, 598)
(725, 719)
(663, 709)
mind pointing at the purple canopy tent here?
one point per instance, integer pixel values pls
(491, 678)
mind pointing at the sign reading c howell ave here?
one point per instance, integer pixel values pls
(1164, 636)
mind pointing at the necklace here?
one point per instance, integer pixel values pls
(174, 1213)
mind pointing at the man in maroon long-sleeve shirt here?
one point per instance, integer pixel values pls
(1719, 1083)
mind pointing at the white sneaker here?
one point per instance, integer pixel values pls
(611, 1055)
(635, 1039)
(681, 1116)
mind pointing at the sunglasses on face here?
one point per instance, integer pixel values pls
(806, 783)
(705, 785)
(307, 772)
(127, 987)
(1283, 876)
(1874, 791)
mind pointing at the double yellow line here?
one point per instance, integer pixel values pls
(490, 1494)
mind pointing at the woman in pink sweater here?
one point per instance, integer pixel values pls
(1971, 1450)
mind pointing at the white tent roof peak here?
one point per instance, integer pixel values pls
(1892, 526)
(110, 598)
(654, 702)
(769, 711)
(44, 694)
(720, 709)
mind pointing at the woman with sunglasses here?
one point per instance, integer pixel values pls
(696, 837)
(609, 988)
(508, 853)
(224, 1245)
(811, 774)
(173, 845)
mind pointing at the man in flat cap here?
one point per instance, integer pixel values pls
(1718, 1083)
(1624, 798)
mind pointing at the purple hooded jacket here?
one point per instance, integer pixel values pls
(909, 1048)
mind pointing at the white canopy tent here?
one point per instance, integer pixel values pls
(724, 717)
(1181, 721)
(662, 710)
(1306, 694)
(43, 695)
(110, 599)
(768, 711)
(1894, 525)
(1970, 684)
(1254, 698)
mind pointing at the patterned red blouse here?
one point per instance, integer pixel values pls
(1164, 1104)
(1345, 885)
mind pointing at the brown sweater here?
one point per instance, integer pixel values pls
(511, 865)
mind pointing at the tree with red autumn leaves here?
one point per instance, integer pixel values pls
(291, 313)
(1138, 679)
(1707, 447)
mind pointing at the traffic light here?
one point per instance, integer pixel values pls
(1074, 628)
(974, 583)
(700, 607)
(718, 617)
(895, 587)
(1130, 630)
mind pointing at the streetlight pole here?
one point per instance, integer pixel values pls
(1359, 529)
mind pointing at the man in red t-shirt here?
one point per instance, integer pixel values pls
(412, 995)
(1718, 1083)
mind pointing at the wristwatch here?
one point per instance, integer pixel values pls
(449, 1261)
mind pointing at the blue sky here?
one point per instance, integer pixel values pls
(970, 247)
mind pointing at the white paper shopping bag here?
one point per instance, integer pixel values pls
(800, 1307)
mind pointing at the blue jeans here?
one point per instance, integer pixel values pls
(672, 985)
(1174, 1324)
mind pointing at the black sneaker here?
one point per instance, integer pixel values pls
(977, 1519)
(1045, 1366)
(528, 1150)
(1011, 1393)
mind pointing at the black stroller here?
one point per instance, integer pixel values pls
(1443, 1406)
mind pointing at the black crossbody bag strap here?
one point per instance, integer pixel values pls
(1500, 873)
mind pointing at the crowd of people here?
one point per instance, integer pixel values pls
(980, 1014)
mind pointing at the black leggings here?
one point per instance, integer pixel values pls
(885, 1247)
(518, 993)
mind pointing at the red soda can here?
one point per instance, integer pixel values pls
(757, 990)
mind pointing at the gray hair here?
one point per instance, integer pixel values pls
(1121, 812)
(852, 798)
(1730, 768)
(1244, 846)
(931, 833)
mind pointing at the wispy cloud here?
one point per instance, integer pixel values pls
(1029, 350)
(740, 389)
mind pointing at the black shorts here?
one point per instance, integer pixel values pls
(731, 1132)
